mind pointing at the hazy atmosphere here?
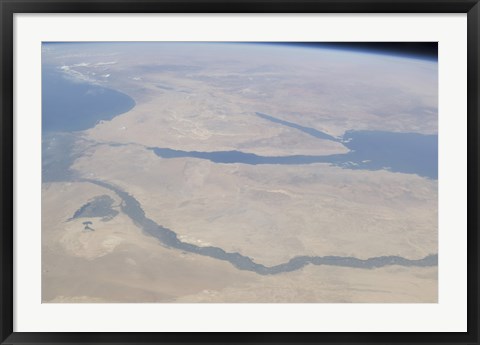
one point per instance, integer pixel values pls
(239, 172)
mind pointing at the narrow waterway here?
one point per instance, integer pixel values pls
(132, 208)
(63, 115)
(410, 153)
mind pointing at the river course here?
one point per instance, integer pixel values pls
(59, 150)
(132, 208)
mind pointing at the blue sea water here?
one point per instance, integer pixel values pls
(410, 153)
(69, 105)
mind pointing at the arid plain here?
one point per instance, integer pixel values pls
(192, 97)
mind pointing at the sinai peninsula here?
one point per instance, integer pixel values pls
(191, 172)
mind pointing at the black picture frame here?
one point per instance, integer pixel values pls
(9, 7)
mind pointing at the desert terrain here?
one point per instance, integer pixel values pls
(205, 98)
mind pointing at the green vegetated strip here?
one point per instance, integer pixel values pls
(132, 208)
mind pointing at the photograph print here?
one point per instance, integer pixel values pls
(239, 172)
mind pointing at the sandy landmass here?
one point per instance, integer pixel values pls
(327, 284)
(272, 214)
(327, 90)
(116, 262)
(187, 100)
